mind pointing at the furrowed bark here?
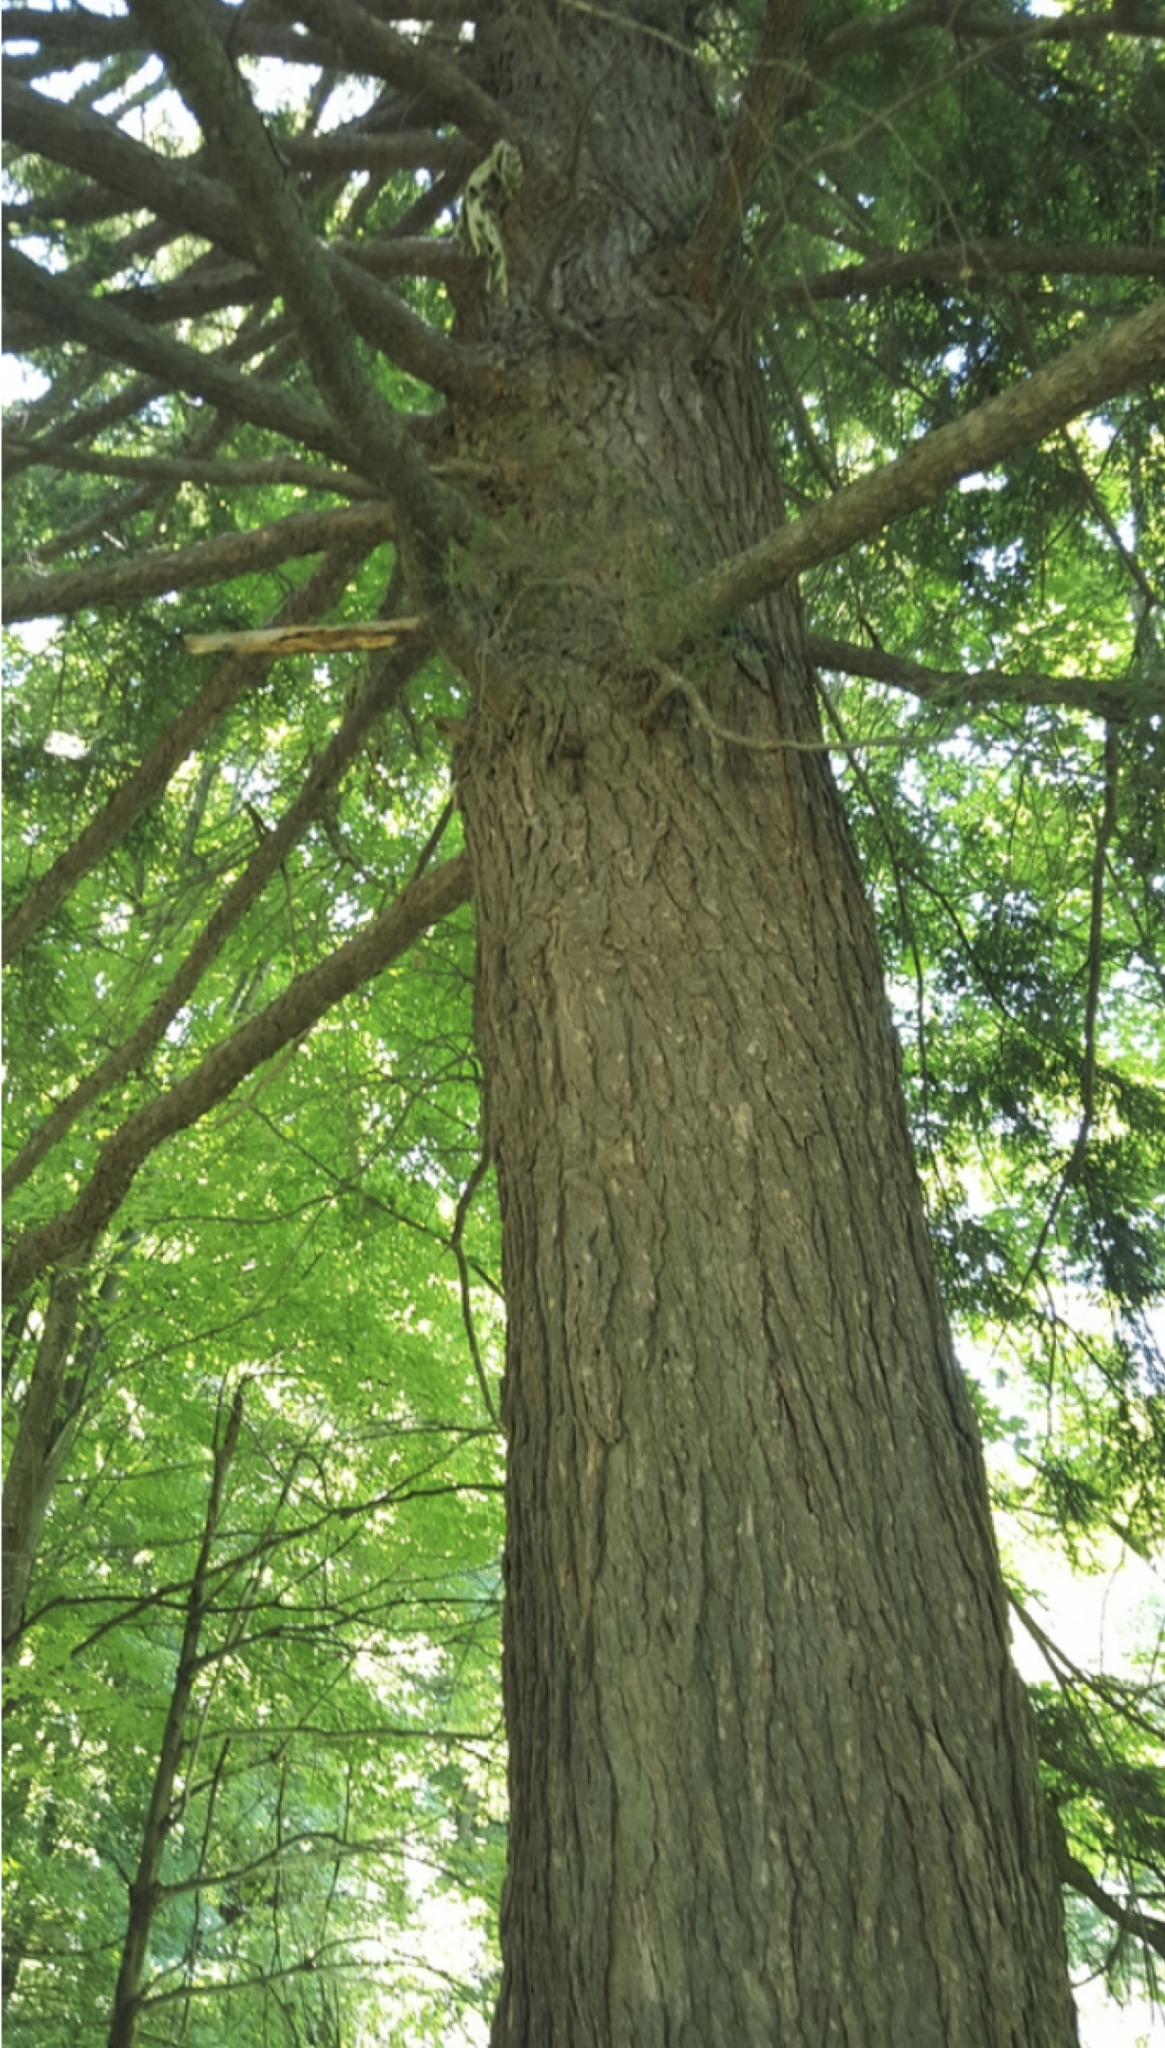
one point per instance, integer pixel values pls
(771, 1772)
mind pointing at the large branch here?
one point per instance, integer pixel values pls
(71, 314)
(291, 257)
(51, 129)
(765, 93)
(225, 473)
(70, 35)
(356, 148)
(871, 31)
(367, 45)
(180, 738)
(419, 906)
(388, 679)
(968, 262)
(1132, 18)
(155, 572)
(1115, 702)
(261, 342)
(207, 207)
(1085, 376)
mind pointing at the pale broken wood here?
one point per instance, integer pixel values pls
(354, 633)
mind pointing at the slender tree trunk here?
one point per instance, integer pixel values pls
(58, 1387)
(40, 1443)
(145, 1891)
(772, 1777)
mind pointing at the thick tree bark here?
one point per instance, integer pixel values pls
(772, 1777)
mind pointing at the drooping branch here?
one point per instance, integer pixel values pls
(422, 904)
(1071, 1169)
(156, 571)
(1116, 702)
(179, 740)
(1129, 1918)
(291, 257)
(1085, 376)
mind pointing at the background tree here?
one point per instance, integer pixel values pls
(768, 1768)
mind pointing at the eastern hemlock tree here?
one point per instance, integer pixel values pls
(510, 369)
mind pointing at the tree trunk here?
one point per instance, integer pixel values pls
(145, 1889)
(772, 1778)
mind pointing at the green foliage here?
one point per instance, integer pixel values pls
(335, 1811)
